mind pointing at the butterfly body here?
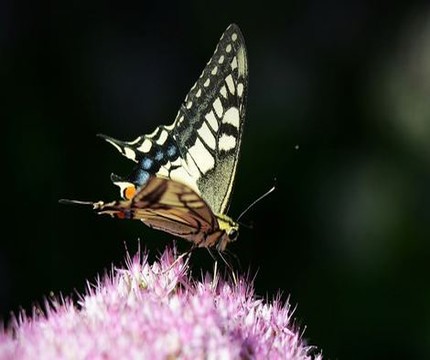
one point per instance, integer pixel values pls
(184, 172)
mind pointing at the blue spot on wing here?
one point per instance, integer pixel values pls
(147, 163)
(141, 177)
(171, 151)
(159, 155)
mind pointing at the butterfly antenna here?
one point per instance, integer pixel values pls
(248, 225)
(256, 201)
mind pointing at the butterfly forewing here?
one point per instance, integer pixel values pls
(209, 124)
(201, 147)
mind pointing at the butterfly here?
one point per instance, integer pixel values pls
(184, 173)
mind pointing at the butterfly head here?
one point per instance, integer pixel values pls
(230, 231)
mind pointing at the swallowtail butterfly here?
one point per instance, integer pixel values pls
(184, 172)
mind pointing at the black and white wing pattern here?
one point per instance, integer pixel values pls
(201, 147)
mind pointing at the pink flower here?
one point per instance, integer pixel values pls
(158, 312)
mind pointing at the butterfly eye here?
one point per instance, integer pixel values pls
(233, 234)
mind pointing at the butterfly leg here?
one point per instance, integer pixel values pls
(180, 257)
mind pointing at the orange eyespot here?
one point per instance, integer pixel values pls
(129, 192)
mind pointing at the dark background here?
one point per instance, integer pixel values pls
(338, 112)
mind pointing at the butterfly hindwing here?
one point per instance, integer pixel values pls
(166, 205)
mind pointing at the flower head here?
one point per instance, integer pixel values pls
(157, 311)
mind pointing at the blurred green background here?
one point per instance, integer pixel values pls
(338, 112)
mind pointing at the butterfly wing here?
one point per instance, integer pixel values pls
(209, 125)
(166, 205)
(201, 148)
